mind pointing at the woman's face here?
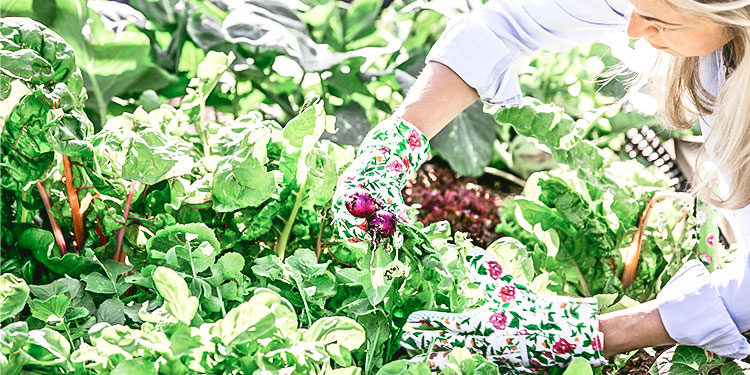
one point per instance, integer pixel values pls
(676, 33)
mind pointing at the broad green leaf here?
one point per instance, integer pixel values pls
(353, 370)
(283, 311)
(136, 366)
(680, 360)
(112, 63)
(404, 367)
(178, 234)
(240, 181)
(340, 334)
(50, 310)
(48, 113)
(735, 368)
(152, 157)
(174, 290)
(111, 311)
(246, 322)
(373, 281)
(466, 142)
(360, 19)
(97, 283)
(17, 92)
(232, 264)
(43, 247)
(47, 347)
(579, 366)
(13, 295)
(339, 330)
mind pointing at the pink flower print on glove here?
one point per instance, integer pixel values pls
(499, 320)
(507, 293)
(710, 240)
(415, 140)
(562, 347)
(495, 269)
(396, 166)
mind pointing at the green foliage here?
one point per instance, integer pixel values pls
(13, 295)
(688, 360)
(577, 218)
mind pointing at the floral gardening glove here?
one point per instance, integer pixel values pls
(517, 329)
(706, 218)
(371, 186)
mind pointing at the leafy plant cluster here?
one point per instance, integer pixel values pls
(144, 247)
(580, 218)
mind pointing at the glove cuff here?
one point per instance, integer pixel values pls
(395, 146)
(576, 333)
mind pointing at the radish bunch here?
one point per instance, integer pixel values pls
(380, 222)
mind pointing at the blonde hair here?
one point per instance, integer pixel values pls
(685, 97)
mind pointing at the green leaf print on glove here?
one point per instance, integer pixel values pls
(389, 153)
(516, 328)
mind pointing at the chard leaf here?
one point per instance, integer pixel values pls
(579, 366)
(232, 264)
(50, 310)
(247, 322)
(111, 311)
(47, 347)
(466, 142)
(13, 295)
(240, 181)
(735, 368)
(683, 360)
(97, 283)
(174, 290)
(135, 366)
(153, 157)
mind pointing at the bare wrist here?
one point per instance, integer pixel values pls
(633, 328)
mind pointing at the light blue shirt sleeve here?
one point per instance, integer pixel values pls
(485, 47)
(709, 310)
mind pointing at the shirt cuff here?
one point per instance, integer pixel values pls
(694, 313)
(480, 58)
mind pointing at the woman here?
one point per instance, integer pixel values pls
(476, 57)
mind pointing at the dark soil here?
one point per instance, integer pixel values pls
(638, 364)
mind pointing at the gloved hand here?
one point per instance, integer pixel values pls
(516, 328)
(388, 154)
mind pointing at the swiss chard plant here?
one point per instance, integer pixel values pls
(581, 218)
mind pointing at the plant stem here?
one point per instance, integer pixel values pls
(323, 92)
(584, 284)
(284, 104)
(284, 238)
(318, 244)
(75, 206)
(221, 298)
(56, 231)
(119, 255)
(631, 262)
(304, 302)
(505, 175)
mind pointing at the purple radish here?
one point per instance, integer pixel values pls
(383, 222)
(361, 204)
